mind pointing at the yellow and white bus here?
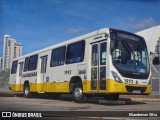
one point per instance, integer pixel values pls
(107, 63)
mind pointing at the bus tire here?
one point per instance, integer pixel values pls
(111, 97)
(78, 95)
(26, 91)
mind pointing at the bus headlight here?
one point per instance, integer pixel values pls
(116, 77)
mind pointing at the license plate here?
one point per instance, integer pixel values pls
(137, 91)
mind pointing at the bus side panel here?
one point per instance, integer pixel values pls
(33, 87)
(12, 82)
(62, 87)
(31, 78)
(50, 87)
(56, 80)
(86, 86)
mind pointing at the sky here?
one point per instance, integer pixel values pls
(37, 24)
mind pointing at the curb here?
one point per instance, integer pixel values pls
(7, 94)
(146, 99)
(149, 98)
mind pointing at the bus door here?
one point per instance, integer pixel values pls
(20, 71)
(98, 66)
(43, 71)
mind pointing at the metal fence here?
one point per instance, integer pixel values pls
(3, 82)
(156, 81)
(4, 78)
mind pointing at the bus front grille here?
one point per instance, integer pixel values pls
(132, 88)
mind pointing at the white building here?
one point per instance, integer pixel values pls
(152, 36)
(11, 50)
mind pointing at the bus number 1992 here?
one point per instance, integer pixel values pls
(128, 81)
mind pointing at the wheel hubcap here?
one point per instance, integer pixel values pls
(26, 91)
(78, 93)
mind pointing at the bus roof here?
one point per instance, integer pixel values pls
(92, 34)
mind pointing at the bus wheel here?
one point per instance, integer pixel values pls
(111, 97)
(78, 94)
(26, 91)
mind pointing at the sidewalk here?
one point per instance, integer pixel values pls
(6, 92)
(151, 98)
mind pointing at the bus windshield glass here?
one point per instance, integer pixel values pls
(129, 52)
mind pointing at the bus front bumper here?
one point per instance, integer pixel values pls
(119, 88)
(122, 88)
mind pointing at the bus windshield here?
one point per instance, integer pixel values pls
(129, 53)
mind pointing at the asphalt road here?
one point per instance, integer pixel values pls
(65, 103)
(65, 106)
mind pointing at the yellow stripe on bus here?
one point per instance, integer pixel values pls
(111, 87)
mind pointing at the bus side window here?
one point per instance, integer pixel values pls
(103, 53)
(33, 63)
(26, 64)
(21, 69)
(14, 67)
(58, 56)
(94, 55)
(75, 52)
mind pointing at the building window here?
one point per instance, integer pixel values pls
(58, 56)
(33, 63)
(14, 67)
(75, 52)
